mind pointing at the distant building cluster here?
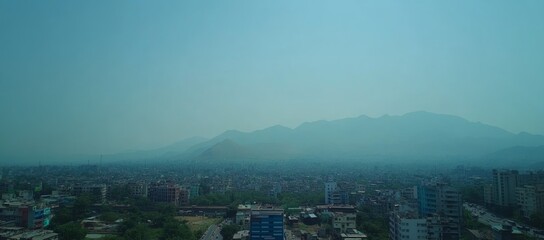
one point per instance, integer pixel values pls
(167, 192)
(21, 217)
(510, 189)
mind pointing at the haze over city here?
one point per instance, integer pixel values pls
(272, 120)
(99, 78)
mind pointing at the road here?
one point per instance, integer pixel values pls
(490, 219)
(213, 232)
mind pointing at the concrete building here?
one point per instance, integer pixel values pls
(266, 223)
(506, 232)
(407, 226)
(409, 193)
(504, 187)
(26, 215)
(137, 189)
(438, 200)
(353, 234)
(184, 196)
(167, 193)
(330, 188)
(335, 195)
(241, 235)
(341, 222)
(243, 216)
(28, 235)
(530, 199)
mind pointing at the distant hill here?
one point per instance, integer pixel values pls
(166, 152)
(518, 156)
(417, 135)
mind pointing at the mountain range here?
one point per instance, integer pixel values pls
(420, 136)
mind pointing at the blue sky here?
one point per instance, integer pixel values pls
(107, 76)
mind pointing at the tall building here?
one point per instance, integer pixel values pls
(530, 199)
(440, 201)
(330, 188)
(266, 224)
(504, 187)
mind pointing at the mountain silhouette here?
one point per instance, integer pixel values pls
(416, 135)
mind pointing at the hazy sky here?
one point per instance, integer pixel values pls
(108, 76)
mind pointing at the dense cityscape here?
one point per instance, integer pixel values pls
(276, 201)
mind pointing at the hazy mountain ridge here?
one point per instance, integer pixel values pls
(518, 155)
(174, 149)
(414, 135)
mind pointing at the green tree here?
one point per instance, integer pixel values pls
(174, 230)
(229, 230)
(71, 231)
(118, 193)
(109, 217)
(62, 216)
(473, 194)
(537, 220)
(82, 205)
(376, 227)
(138, 232)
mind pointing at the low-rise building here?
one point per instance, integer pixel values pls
(25, 214)
(242, 215)
(165, 193)
(341, 222)
(17, 233)
(506, 232)
(137, 189)
(353, 234)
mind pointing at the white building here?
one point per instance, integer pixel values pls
(330, 188)
(407, 225)
(530, 199)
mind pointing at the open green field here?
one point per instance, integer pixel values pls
(196, 223)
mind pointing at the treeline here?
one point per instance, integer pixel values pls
(285, 200)
(143, 219)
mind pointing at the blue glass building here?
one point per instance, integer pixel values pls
(266, 224)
